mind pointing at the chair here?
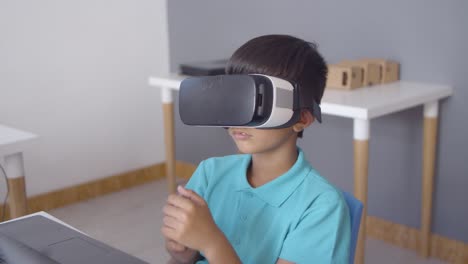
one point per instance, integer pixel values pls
(355, 210)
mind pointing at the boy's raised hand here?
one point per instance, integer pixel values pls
(188, 221)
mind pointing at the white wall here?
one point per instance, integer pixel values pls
(75, 73)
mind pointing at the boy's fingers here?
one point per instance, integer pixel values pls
(191, 195)
(171, 222)
(172, 211)
(174, 246)
(182, 191)
(169, 233)
(180, 201)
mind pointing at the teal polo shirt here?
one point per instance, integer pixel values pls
(299, 216)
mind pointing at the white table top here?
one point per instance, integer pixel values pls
(11, 140)
(362, 103)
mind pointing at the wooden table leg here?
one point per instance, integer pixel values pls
(16, 201)
(169, 138)
(361, 165)
(429, 153)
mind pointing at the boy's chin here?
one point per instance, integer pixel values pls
(249, 149)
(242, 149)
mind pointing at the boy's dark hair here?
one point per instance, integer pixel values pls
(282, 56)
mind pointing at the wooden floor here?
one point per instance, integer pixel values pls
(130, 221)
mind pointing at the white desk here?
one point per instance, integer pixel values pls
(361, 105)
(13, 143)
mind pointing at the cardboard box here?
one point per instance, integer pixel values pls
(344, 77)
(371, 74)
(389, 70)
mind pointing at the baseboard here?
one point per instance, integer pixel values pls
(89, 190)
(400, 235)
(403, 236)
(185, 169)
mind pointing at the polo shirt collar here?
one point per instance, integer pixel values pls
(278, 190)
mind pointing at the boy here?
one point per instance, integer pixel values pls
(267, 205)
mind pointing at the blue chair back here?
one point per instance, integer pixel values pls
(355, 210)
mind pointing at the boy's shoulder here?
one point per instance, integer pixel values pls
(316, 190)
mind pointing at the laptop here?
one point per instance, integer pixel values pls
(39, 240)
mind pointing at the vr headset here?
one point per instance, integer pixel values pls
(250, 100)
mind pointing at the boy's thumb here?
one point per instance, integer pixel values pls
(190, 195)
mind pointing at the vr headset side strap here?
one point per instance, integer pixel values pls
(313, 107)
(316, 111)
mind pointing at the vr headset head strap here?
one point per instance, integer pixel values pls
(306, 101)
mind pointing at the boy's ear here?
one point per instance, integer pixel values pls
(306, 120)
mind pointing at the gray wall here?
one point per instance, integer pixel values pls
(75, 73)
(429, 38)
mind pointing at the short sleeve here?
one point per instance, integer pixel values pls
(198, 181)
(322, 235)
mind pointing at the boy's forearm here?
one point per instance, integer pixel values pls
(221, 252)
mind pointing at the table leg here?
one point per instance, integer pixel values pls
(14, 168)
(361, 165)
(169, 138)
(429, 153)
